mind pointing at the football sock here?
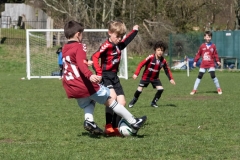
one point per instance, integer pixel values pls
(215, 80)
(197, 82)
(158, 95)
(122, 112)
(115, 120)
(88, 112)
(137, 94)
(108, 115)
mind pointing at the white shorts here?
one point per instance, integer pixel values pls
(100, 97)
(203, 70)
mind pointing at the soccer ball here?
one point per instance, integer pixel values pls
(125, 128)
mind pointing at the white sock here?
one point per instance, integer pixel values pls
(197, 82)
(215, 80)
(122, 112)
(88, 112)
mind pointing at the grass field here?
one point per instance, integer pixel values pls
(37, 121)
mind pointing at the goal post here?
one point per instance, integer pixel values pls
(42, 44)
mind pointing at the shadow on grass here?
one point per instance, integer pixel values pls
(167, 105)
(90, 135)
(211, 92)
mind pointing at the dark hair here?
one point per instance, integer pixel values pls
(71, 28)
(209, 33)
(160, 44)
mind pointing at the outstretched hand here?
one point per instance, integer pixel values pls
(194, 64)
(134, 76)
(135, 27)
(172, 81)
(219, 63)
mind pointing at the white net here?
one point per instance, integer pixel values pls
(42, 45)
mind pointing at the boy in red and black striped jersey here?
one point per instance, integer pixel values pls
(153, 64)
(110, 55)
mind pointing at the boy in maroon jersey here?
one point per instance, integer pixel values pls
(153, 64)
(208, 53)
(80, 83)
(110, 55)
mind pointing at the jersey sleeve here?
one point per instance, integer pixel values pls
(216, 54)
(95, 58)
(80, 57)
(129, 37)
(141, 64)
(198, 55)
(167, 70)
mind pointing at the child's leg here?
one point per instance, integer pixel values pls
(198, 80)
(137, 93)
(117, 118)
(109, 112)
(88, 105)
(215, 79)
(158, 94)
(102, 96)
(88, 112)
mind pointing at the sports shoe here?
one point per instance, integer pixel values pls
(133, 101)
(92, 127)
(154, 104)
(193, 92)
(109, 129)
(219, 90)
(139, 122)
(116, 132)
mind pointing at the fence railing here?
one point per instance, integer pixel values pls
(13, 32)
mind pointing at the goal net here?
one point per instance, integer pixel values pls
(42, 45)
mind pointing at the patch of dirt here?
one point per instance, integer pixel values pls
(6, 141)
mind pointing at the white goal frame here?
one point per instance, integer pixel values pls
(123, 69)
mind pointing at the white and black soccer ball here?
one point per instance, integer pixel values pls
(125, 128)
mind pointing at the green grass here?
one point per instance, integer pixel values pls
(37, 121)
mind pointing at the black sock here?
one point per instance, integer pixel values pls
(157, 95)
(115, 121)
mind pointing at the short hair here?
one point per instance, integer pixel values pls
(118, 27)
(160, 44)
(209, 33)
(71, 28)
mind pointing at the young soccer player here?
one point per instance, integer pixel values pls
(153, 64)
(209, 55)
(80, 83)
(110, 55)
(60, 62)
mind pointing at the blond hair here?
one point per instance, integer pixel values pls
(117, 27)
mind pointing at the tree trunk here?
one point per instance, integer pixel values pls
(112, 9)
(103, 13)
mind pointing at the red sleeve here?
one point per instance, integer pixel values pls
(216, 54)
(198, 55)
(141, 64)
(80, 57)
(96, 66)
(167, 70)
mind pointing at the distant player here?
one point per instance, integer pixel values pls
(60, 62)
(208, 53)
(109, 55)
(80, 83)
(153, 64)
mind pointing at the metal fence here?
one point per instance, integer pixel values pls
(13, 32)
(187, 45)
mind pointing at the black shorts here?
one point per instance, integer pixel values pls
(145, 83)
(111, 80)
